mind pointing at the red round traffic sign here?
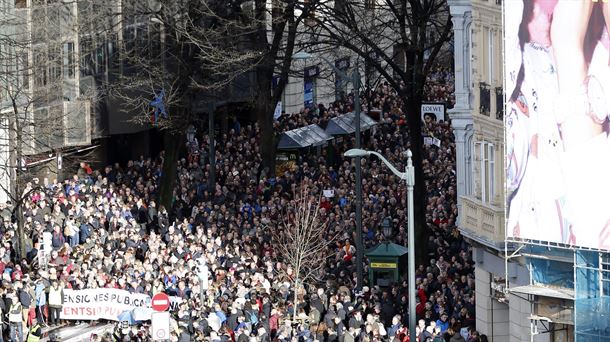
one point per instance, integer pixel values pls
(160, 302)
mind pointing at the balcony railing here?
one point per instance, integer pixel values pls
(484, 98)
(482, 222)
(499, 103)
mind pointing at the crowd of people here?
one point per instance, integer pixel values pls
(440, 86)
(108, 231)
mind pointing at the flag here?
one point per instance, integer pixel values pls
(278, 110)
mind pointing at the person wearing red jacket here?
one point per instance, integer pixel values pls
(420, 308)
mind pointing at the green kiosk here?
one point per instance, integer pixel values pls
(387, 262)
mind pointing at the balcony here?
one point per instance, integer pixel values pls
(484, 98)
(482, 223)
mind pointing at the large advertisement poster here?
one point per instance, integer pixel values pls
(557, 78)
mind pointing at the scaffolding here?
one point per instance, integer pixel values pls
(577, 279)
(592, 296)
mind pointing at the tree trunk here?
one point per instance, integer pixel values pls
(15, 151)
(21, 232)
(172, 143)
(296, 299)
(264, 116)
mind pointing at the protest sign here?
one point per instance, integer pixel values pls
(105, 303)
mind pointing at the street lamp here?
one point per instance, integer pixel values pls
(354, 78)
(409, 177)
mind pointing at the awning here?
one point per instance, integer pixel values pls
(561, 293)
(346, 124)
(386, 250)
(307, 136)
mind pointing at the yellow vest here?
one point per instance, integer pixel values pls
(31, 337)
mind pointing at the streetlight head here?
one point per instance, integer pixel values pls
(302, 55)
(409, 154)
(356, 152)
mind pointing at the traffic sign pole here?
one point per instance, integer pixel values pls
(160, 326)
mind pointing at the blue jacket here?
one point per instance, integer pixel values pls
(443, 325)
(41, 296)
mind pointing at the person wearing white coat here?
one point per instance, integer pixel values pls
(56, 299)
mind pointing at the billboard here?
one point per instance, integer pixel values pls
(557, 82)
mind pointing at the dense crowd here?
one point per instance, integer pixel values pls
(440, 86)
(108, 232)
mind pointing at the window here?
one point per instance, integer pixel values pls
(484, 98)
(40, 76)
(54, 61)
(22, 67)
(490, 56)
(100, 58)
(20, 3)
(487, 160)
(69, 65)
(86, 58)
(369, 4)
(468, 75)
(468, 175)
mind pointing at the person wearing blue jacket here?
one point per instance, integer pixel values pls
(41, 301)
(443, 323)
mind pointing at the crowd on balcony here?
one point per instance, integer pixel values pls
(107, 231)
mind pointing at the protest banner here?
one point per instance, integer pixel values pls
(104, 303)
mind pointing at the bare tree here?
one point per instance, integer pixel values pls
(304, 241)
(276, 31)
(41, 109)
(401, 40)
(168, 53)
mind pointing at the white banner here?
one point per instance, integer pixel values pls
(94, 304)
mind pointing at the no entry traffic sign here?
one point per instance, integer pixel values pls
(160, 302)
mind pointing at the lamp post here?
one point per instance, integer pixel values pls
(409, 177)
(354, 78)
